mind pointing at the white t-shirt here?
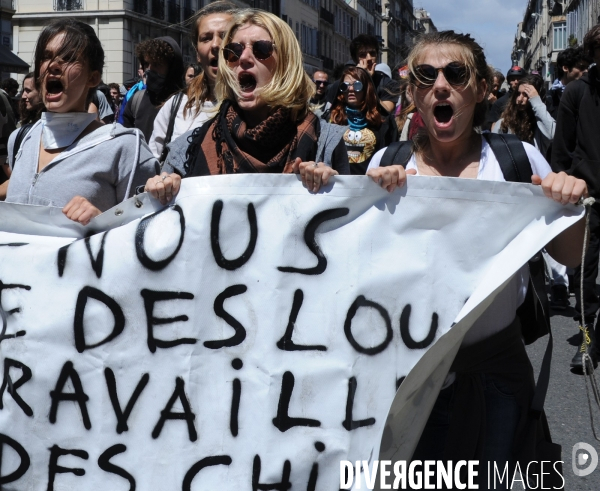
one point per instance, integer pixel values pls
(182, 124)
(502, 311)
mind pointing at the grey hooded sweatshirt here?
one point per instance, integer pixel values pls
(98, 167)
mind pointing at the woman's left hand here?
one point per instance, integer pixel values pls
(529, 90)
(313, 174)
(80, 210)
(562, 187)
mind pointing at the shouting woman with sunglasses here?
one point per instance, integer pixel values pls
(264, 123)
(369, 127)
(483, 413)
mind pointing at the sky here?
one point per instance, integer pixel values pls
(493, 23)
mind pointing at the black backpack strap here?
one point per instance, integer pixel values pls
(397, 153)
(511, 156)
(23, 130)
(171, 126)
(515, 165)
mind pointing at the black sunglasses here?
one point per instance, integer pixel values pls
(356, 85)
(261, 50)
(455, 74)
(324, 83)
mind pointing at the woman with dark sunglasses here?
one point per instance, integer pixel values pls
(368, 125)
(264, 123)
(483, 411)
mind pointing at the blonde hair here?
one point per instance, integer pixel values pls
(290, 86)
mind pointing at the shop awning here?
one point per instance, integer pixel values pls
(9, 62)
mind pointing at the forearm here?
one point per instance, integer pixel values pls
(389, 106)
(545, 121)
(3, 190)
(567, 247)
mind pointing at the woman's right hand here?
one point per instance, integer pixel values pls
(391, 176)
(313, 174)
(163, 187)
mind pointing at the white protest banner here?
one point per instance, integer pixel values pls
(250, 336)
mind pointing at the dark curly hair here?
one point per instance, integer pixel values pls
(570, 57)
(521, 121)
(154, 50)
(369, 103)
(362, 41)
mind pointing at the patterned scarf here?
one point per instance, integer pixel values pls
(272, 146)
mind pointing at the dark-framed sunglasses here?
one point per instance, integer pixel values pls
(262, 50)
(324, 83)
(455, 73)
(356, 85)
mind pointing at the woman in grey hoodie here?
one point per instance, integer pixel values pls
(69, 159)
(526, 115)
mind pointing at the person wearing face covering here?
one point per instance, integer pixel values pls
(164, 77)
(69, 159)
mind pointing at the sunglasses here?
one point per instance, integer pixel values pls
(455, 74)
(324, 83)
(261, 50)
(356, 85)
(372, 52)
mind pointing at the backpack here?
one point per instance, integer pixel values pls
(136, 100)
(534, 311)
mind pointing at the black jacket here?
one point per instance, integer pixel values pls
(495, 112)
(576, 147)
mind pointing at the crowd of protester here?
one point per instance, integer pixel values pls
(248, 106)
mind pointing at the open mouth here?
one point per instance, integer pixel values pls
(247, 82)
(214, 62)
(54, 87)
(443, 113)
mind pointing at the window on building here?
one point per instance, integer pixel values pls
(559, 36)
(68, 4)
(298, 30)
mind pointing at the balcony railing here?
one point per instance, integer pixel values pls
(140, 6)
(173, 11)
(62, 5)
(327, 16)
(158, 9)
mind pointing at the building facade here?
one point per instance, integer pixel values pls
(119, 24)
(424, 23)
(7, 10)
(398, 30)
(548, 27)
(324, 28)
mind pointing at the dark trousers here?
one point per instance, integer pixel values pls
(590, 272)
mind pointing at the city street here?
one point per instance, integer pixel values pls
(566, 403)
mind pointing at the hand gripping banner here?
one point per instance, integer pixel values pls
(249, 336)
